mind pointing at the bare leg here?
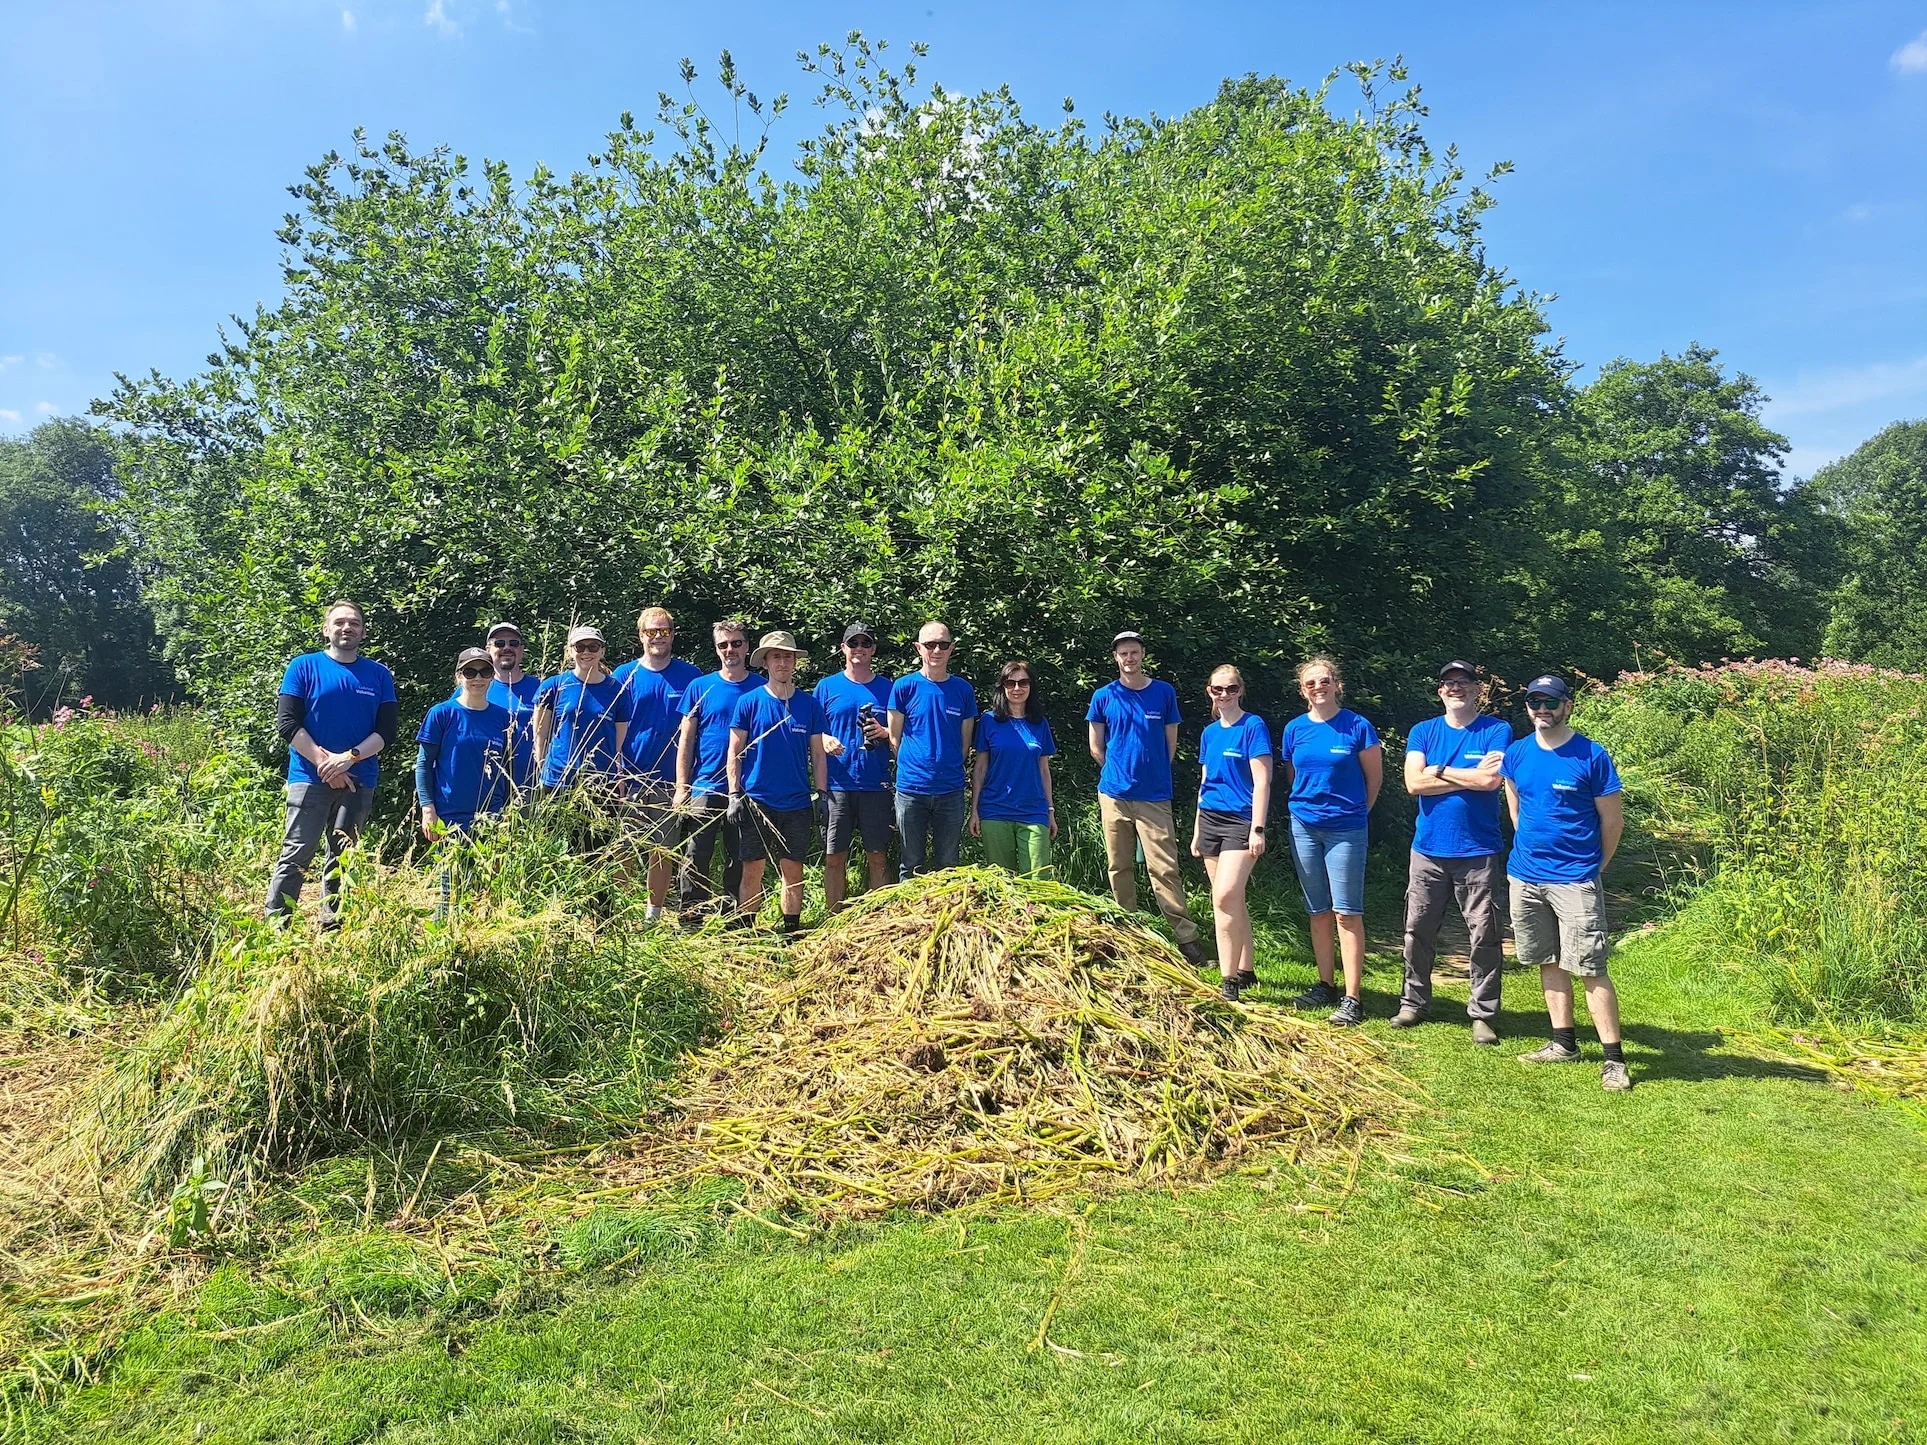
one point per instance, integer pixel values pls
(1602, 1002)
(1228, 880)
(1322, 928)
(836, 879)
(879, 869)
(1351, 943)
(749, 897)
(1557, 984)
(662, 869)
(792, 871)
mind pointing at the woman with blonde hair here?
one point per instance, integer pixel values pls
(1233, 800)
(1335, 764)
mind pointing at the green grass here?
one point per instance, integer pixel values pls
(1737, 1250)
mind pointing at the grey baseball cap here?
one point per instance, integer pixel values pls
(495, 627)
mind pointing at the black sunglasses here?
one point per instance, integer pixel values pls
(505, 642)
(870, 642)
(1541, 703)
(478, 672)
(730, 644)
(941, 645)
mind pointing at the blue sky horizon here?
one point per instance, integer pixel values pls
(1751, 178)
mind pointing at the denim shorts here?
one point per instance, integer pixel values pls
(1331, 866)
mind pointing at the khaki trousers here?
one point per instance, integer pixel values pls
(1128, 824)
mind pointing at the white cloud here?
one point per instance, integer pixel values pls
(46, 360)
(1852, 387)
(6, 361)
(1911, 58)
(46, 408)
(12, 416)
(348, 21)
(438, 17)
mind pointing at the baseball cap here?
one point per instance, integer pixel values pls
(1457, 664)
(1548, 685)
(495, 627)
(1127, 636)
(586, 634)
(473, 654)
(859, 629)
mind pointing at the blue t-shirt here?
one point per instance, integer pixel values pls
(776, 746)
(1327, 783)
(1464, 824)
(1558, 838)
(930, 754)
(586, 715)
(860, 769)
(711, 699)
(1227, 753)
(1137, 759)
(1013, 788)
(655, 716)
(519, 701)
(467, 776)
(342, 698)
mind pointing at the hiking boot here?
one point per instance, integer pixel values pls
(1193, 953)
(1230, 988)
(1615, 1076)
(1319, 995)
(1349, 1011)
(1246, 978)
(1483, 1034)
(1408, 1017)
(1552, 1053)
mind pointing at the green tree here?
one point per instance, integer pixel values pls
(1878, 497)
(66, 587)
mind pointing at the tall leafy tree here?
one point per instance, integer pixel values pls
(1878, 496)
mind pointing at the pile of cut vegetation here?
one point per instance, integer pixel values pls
(974, 1037)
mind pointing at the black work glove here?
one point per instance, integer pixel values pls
(821, 805)
(738, 808)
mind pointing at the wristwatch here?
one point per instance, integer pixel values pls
(354, 753)
(1259, 829)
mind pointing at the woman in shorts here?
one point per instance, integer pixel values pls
(1233, 801)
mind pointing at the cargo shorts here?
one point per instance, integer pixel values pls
(1562, 923)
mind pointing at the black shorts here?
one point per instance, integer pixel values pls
(873, 815)
(1222, 833)
(649, 812)
(784, 833)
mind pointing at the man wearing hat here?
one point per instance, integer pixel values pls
(856, 709)
(1134, 736)
(1452, 766)
(932, 716)
(514, 690)
(702, 768)
(655, 683)
(775, 757)
(1564, 795)
(581, 716)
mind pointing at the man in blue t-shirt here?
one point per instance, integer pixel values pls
(655, 684)
(856, 712)
(336, 712)
(932, 716)
(1134, 736)
(1452, 767)
(702, 771)
(1564, 795)
(775, 758)
(514, 690)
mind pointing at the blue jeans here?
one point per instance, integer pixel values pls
(929, 822)
(1331, 867)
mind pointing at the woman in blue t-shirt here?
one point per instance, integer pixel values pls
(581, 717)
(1010, 797)
(1334, 764)
(1233, 800)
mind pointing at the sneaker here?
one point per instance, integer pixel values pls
(1230, 988)
(1193, 953)
(1552, 1053)
(1319, 995)
(1349, 1011)
(1615, 1076)
(1246, 978)
(1483, 1034)
(1408, 1017)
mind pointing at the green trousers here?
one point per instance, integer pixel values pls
(1021, 847)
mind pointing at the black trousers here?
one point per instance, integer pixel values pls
(694, 886)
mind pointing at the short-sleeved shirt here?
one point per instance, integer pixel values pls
(711, 699)
(1558, 839)
(518, 698)
(468, 776)
(930, 753)
(776, 746)
(586, 714)
(1327, 782)
(1137, 759)
(1464, 824)
(1013, 786)
(1227, 753)
(860, 769)
(342, 698)
(655, 716)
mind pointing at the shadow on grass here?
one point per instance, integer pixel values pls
(1695, 1055)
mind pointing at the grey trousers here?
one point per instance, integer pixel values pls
(1433, 884)
(318, 817)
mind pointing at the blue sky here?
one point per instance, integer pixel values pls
(1753, 177)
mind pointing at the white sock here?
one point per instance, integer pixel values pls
(652, 912)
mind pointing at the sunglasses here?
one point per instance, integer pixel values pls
(505, 642)
(869, 642)
(1457, 682)
(1321, 682)
(658, 632)
(588, 647)
(941, 645)
(1016, 682)
(1542, 704)
(730, 644)
(1224, 689)
(476, 674)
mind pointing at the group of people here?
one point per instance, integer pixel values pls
(744, 757)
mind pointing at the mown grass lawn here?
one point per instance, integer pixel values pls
(1734, 1251)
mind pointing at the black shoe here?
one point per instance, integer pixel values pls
(1246, 978)
(1230, 988)
(1194, 953)
(1349, 1011)
(1408, 1017)
(1319, 995)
